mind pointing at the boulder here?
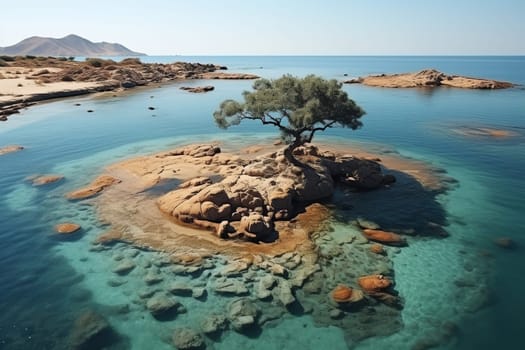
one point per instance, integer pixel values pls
(377, 249)
(124, 267)
(160, 305)
(188, 339)
(10, 149)
(180, 288)
(343, 294)
(374, 283)
(97, 186)
(505, 242)
(242, 314)
(46, 179)
(230, 286)
(384, 237)
(67, 227)
(213, 324)
(283, 293)
(256, 226)
(90, 331)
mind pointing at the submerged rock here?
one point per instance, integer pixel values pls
(230, 286)
(343, 294)
(10, 149)
(242, 314)
(213, 324)
(384, 237)
(97, 186)
(188, 339)
(90, 331)
(374, 283)
(505, 242)
(124, 267)
(67, 227)
(46, 179)
(161, 304)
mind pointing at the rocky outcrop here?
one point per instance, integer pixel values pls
(198, 89)
(374, 283)
(67, 228)
(94, 188)
(161, 305)
(46, 179)
(253, 195)
(343, 294)
(384, 237)
(10, 149)
(429, 78)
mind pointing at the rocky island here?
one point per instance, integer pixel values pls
(428, 78)
(25, 80)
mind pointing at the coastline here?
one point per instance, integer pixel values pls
(27, 81)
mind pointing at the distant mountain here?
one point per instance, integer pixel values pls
(71, 45)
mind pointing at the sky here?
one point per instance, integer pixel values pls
(277, 27)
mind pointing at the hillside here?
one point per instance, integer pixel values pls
(71, 45)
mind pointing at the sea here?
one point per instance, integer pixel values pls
(459, 292)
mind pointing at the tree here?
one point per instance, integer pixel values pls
(298, 107)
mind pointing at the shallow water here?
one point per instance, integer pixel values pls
(464, 286)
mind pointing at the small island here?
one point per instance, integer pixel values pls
(429, 78)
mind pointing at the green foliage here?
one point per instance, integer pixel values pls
(71, 58)
(131, 62)
(3, 63)
(30, 57)
(95, 62)
(298, 107)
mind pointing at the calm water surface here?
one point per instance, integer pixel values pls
(44, 281)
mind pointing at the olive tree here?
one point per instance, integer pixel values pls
(298, 107)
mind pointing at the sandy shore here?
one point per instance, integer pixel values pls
(26, 81)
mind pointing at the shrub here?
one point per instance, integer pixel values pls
(130, 61)
(95, 62)
(62, 59)
(71, 58)
(67, 78)
(7, 58)
(30, 57)
(3, 63)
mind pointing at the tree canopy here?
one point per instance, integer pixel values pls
(298, 107)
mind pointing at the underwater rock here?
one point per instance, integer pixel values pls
(364, 223)
(384, 237)
(242, 314)
(187, 339)
(505, 242)
(235, 268)
(10, 149)
(153, 278)
(161, 304)
(198, 292)
(374, 283)
(336, 314)
(343, 294)
(67, 227)
(213, 324)
(230, 286)
(124, 267)
(180, 288)
(97, 186)
(46, 179)
(89, 331)
(377, 249)
(283, 293)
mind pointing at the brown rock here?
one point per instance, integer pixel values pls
(67, 227)
(94, 188)
(198, 89)
(10, 149)
(505, 242)
(89, 330)
(377, 249)
(344, 294)
(374, 283)
(384, 237)
(46, 179)
(256, 226)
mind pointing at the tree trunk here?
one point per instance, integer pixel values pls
(288, 152)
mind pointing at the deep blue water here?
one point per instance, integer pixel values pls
(38, 284)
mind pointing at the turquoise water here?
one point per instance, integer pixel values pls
(45, 281)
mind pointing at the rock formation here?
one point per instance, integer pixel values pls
(252, 195)
(10, 149)
(67, 227)
(198, 89)
(97, 186)
(429, 78)
(384, 237)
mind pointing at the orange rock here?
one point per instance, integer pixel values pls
(93, 188)
(67, 227)
(46, 179)
(377, 249)
(374, 283)
(345, 294)
(384, 237)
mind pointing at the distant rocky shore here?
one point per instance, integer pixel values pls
(25, 80)
(429, 78)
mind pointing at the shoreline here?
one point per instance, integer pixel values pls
(26, 82)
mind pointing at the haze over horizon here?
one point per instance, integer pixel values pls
(293, 27)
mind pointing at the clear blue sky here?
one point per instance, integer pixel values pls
(280, 27)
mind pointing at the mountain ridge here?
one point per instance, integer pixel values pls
(70, 45)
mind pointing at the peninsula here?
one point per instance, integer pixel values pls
(429, 78)
(25, 80)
